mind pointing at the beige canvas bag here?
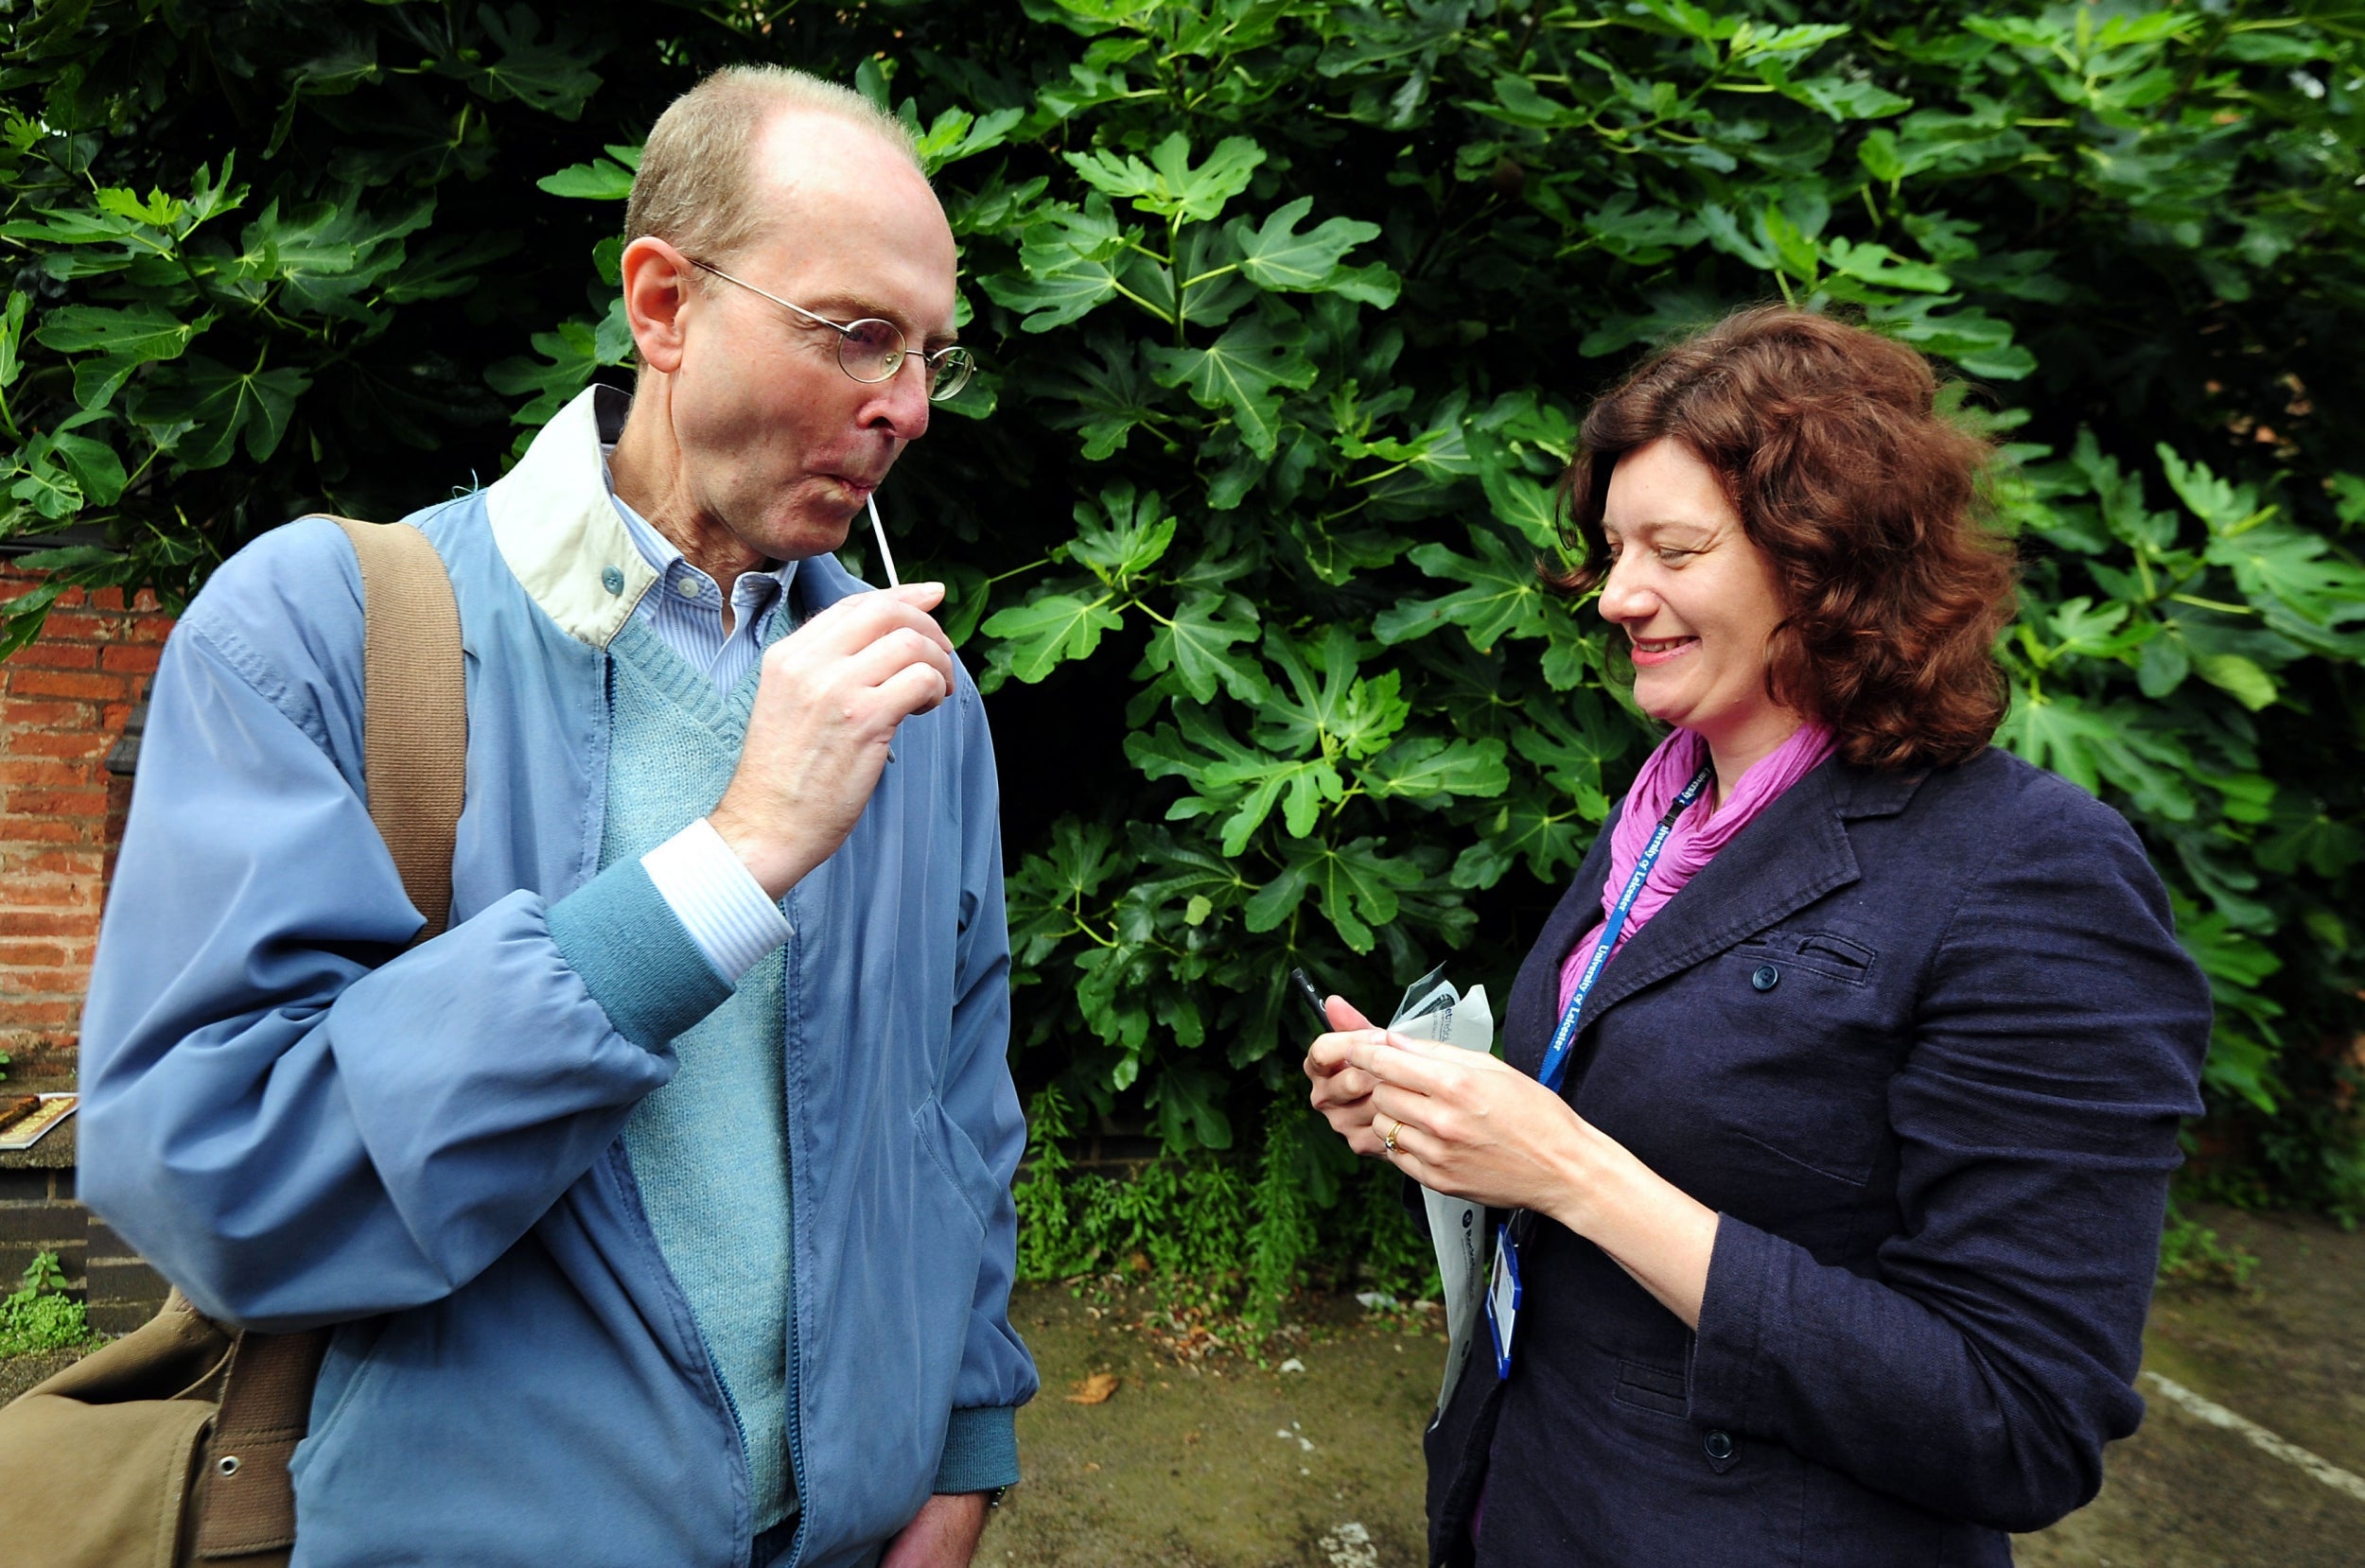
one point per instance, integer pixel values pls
(169, 1447)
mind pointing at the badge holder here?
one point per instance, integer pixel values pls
(1502, 1299)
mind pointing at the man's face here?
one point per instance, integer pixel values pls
(778, 444)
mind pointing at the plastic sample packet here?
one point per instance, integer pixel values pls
(1432, 1009)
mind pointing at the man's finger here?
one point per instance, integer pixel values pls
(860, 619)
(900, 648)
(913, 689)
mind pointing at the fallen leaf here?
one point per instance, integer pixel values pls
(1190, 1436)
(1091, 1466)
(1094, 1389)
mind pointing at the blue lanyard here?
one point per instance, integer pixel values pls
(1557, 1056)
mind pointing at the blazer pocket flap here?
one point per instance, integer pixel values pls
(1659, 1389)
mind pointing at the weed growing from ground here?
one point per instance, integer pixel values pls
(1228, 1264)
(2192, 1253)
(39, 1316)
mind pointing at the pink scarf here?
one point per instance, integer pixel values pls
(1697, 836)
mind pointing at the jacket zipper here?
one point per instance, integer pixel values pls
(796, 1425)
(729, 1403)
(788, 1133)
(714, 1369)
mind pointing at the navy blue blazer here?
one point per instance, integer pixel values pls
(1923, 1042)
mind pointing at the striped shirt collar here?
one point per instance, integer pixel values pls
(685, 607)
(666, 557)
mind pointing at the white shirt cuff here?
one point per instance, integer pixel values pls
(717, 900)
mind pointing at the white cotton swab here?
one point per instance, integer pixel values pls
(879, 530)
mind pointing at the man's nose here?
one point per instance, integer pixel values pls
(900, 403)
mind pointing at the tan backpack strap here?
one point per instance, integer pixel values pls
(415, 707)
(415, 721)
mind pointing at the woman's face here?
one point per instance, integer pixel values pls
(1697, 600)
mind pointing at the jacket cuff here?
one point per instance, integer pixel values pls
(634, 956)
(718, 899)
(980, 1450)
(1727, 1347)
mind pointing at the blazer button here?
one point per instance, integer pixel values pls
(1719, 1446)
(1767, 978)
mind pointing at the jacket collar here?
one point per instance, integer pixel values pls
(558, 530)
(557, 526)
(1794, 854)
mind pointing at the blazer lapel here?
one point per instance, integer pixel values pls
(1794, 854)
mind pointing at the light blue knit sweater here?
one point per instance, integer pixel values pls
(710, 1150)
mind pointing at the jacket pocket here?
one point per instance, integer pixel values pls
(1659, 1389)
(1808, 1044)
(957, 1159)
(1820, 953)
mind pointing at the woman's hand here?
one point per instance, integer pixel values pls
(1475, 1096)
(1462, 1123)
(1342, 1093)
(1469, 1125)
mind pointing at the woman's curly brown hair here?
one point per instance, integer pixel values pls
(1868, 501)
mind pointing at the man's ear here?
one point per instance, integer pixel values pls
(657, 290)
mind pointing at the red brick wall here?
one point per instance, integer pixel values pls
(63, 704)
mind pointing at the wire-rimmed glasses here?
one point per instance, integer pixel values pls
(870, 350)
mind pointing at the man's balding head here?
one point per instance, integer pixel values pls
(749, 439)
(702, 182)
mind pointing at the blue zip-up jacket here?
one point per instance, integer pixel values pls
(299, 1122)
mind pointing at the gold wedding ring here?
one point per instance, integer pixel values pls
(1390, 1141)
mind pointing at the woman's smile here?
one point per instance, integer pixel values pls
(1655, 650)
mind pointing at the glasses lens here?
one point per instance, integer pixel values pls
(948, 372)
(870, 351)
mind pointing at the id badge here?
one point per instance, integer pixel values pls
(1502, 1298)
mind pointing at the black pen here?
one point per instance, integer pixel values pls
(1313, 995)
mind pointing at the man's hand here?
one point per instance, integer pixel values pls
(827, 705)
(942, 1535)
